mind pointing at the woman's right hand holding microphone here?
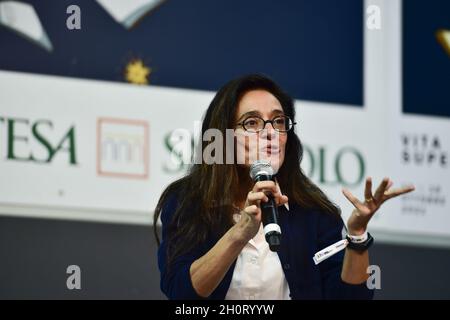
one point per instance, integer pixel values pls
(250, 221)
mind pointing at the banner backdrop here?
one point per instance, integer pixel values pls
(105, 147)
(418, 70)
(96, 150)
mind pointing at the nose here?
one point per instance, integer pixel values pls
(268, 132)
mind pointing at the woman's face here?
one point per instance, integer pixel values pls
(267, 144)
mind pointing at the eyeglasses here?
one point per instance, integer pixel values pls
(256, 124)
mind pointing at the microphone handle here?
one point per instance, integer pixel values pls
(269, 219)
(269, 211)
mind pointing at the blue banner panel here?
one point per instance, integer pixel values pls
(313, 48)
(426, 57)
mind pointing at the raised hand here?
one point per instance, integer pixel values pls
(364, 210)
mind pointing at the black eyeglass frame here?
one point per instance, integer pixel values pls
(265, 122)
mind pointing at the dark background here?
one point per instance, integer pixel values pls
(426, 66)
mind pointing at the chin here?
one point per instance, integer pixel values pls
(276, 165)
(275, 162)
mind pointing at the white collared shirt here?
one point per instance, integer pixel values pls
(258, 273)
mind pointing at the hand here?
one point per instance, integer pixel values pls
(251, 214)
(364, 211)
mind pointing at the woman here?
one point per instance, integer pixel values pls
(212, 240)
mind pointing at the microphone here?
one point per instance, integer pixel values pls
(261, 170)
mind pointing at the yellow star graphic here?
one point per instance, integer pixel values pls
(137, 72)
(443, 37)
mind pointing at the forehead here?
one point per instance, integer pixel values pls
(258, 100)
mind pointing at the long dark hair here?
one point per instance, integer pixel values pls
(213, 187)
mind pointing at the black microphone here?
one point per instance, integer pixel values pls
(261, 170)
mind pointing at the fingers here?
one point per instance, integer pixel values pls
(381, 189)
(398, 191)
(267, 187)
(282, 200)
(252, 210)
(382, 194)
(368, 189)
(389, 185)
(358, 205)
(255, 197)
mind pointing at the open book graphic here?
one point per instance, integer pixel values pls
(128, 12)
(22, 19)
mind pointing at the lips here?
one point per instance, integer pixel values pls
(270, 150)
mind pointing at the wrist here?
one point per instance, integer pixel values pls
(238, 236)
(361, 243)
(356, 231)
(355, 227)
(357, 238)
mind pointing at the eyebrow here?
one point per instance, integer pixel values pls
(257, 113)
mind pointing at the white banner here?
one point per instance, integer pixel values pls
(96, 150)
(79, 146)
